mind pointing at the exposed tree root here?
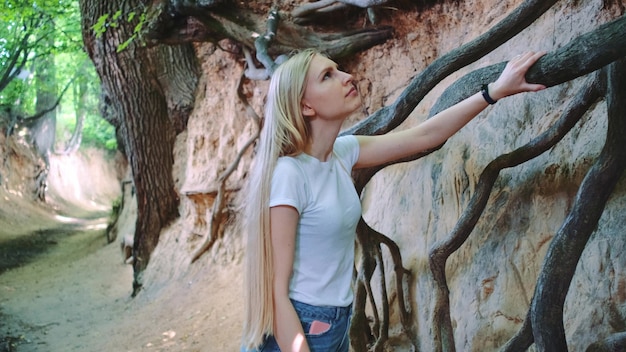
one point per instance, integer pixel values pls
(376, 335)
(606, 44)
(262, 43)
(390, 117)
(613, 32)
(569, 242)
(173, 22)
(582, 102)
(614, 343)
(439, 253)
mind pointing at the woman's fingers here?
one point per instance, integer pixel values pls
(513, 80)
(528, 60)
(534, 87)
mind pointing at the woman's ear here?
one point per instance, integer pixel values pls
(307, 110)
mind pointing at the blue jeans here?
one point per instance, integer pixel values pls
(335, 339)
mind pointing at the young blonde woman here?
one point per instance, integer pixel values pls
(302, 208)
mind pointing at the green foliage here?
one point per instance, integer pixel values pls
(99, 134)
(96, 132)
(107, 21)
(31, 30)
(34, 29)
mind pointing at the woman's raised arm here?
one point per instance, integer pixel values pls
(376, 150)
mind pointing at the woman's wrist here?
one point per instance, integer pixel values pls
(495, 91)
(487, 93)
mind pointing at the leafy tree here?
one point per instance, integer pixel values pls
(28, 29)
(41, 57)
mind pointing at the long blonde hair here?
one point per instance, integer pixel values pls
(284, 132)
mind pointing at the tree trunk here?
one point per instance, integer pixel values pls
(44, 129)
(137, 89)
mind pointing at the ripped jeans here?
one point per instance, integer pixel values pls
(334, 339)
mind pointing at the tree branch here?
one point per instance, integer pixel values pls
(13, 67)
(56, 103)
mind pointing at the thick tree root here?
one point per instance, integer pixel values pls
(569, 242)
(363, 336)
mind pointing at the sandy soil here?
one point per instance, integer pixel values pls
(63, 288)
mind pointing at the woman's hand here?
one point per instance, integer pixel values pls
(512, 80)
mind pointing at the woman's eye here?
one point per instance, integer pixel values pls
(326, 75)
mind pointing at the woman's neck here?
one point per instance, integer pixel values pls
(322, 140)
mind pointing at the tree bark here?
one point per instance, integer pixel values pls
(80, 96)
(142, 86)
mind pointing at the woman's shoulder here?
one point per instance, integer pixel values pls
(288, 165)
(347, 148)
(346, 140)
(289, 181)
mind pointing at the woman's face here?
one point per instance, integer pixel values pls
(329, 93)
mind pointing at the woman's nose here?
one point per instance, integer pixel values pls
(348, 78)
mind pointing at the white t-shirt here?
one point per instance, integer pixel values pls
(329, 208)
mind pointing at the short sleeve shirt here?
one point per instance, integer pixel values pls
(329, 208)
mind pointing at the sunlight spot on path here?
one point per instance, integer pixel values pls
(169, 334)
(65, 219)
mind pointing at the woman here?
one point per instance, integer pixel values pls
(303, 209)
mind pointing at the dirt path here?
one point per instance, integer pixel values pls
(71, 292)
(64, 289)
(55, 296)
